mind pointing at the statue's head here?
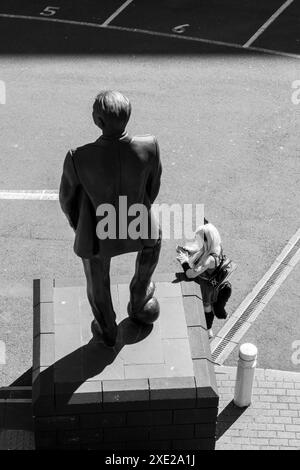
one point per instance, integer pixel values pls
(111, 112)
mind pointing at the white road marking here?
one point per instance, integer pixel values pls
(44, 195)
(268, 23)
(261, 305)
(49, 11)
(181, 28)
(117, 12)
(2, 353)
(51, 20)
(2, 92)
(205, 41)
(154, 33)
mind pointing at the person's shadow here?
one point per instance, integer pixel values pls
(88, 361)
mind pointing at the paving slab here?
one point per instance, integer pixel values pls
(271, 422)
(166, 349)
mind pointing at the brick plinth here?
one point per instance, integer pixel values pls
(155, 390)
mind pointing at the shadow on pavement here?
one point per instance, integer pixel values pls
(228, 417)
(88, 361)
(16, 414)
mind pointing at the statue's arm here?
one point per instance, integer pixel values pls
(68, 191)
(153, 183)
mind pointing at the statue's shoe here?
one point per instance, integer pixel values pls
(147, 315)
(109, 339)
(138, 301)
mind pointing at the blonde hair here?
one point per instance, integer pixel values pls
(208, 240)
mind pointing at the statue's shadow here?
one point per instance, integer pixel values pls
(90, 360)
(97, 356)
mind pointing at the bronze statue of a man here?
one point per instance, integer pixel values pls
(97, 178)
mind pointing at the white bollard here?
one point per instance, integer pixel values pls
(245, 375)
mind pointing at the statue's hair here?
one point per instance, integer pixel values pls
(113, 108)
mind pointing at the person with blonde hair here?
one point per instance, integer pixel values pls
(199, 260)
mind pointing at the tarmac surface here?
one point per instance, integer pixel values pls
(226, 124)
(276, 332)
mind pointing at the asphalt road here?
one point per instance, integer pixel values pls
(276, 332)
(228, 132)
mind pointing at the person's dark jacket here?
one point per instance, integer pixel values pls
(98, 173)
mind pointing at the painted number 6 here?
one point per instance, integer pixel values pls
(180, 28)
(49, 11)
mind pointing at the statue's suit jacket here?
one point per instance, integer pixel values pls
(98, 173)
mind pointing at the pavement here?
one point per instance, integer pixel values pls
(272, 422)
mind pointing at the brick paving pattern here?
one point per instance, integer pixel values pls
(272, 422)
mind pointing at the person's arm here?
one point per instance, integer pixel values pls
(192, 273)
(153, 183)
(195, 272)
(68, 191)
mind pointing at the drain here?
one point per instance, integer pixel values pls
(256, 301)
(218, 351)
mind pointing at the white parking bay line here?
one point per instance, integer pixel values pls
(2, 92)
(30, 195)
(2, 353)
(268, 23)
(117, 12)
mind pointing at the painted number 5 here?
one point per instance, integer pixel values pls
(49, 11)
(180, 28)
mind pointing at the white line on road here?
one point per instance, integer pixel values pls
(268, 23)
(154, 33)
(2, 353)
(44, 195)
(117, 12)
(2, 92)
(50, 20)
(204, 41)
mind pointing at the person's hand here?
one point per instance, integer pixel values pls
(182, 258)
(182, 249)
